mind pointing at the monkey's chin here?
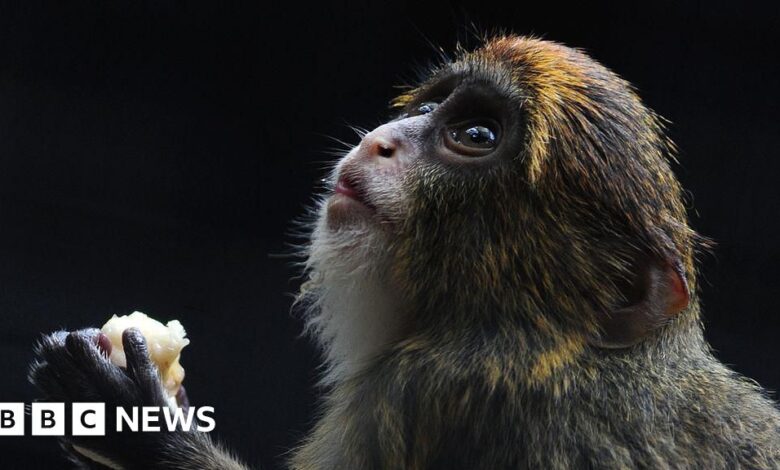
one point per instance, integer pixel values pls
(344, 211)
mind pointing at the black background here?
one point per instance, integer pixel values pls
(154, 153)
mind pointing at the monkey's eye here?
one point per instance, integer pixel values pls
(472, 139)
(427, 107)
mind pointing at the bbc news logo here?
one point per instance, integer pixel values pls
(89, 419)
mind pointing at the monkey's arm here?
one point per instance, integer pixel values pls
(70, 367)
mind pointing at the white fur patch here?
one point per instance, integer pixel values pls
(349, 306)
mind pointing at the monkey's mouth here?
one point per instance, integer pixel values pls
(350, 187)
(349, 203)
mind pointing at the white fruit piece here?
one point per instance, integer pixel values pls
(165, 344)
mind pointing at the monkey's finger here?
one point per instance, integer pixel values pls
(45, 380)
(82, 345)
(40, 372)
(54, 371)
(49, 345)
(110, 382)
(140, 366)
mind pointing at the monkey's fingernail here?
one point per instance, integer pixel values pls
(104, 344)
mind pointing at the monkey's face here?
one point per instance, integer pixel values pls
(456, 132)
(524, 177)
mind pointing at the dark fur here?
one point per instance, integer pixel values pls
(510, 271)
(70, 368)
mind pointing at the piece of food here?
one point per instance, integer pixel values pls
(165, 344)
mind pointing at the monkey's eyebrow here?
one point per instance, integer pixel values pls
(496, 76)
(440, 85)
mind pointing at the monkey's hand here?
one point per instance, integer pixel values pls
(74, 367)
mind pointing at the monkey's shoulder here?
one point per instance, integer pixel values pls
(444, 408)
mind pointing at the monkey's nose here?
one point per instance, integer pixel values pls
(384, 147)
(381, 147)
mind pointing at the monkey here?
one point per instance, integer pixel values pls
(502, 276)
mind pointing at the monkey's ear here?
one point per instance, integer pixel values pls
(657, 293)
